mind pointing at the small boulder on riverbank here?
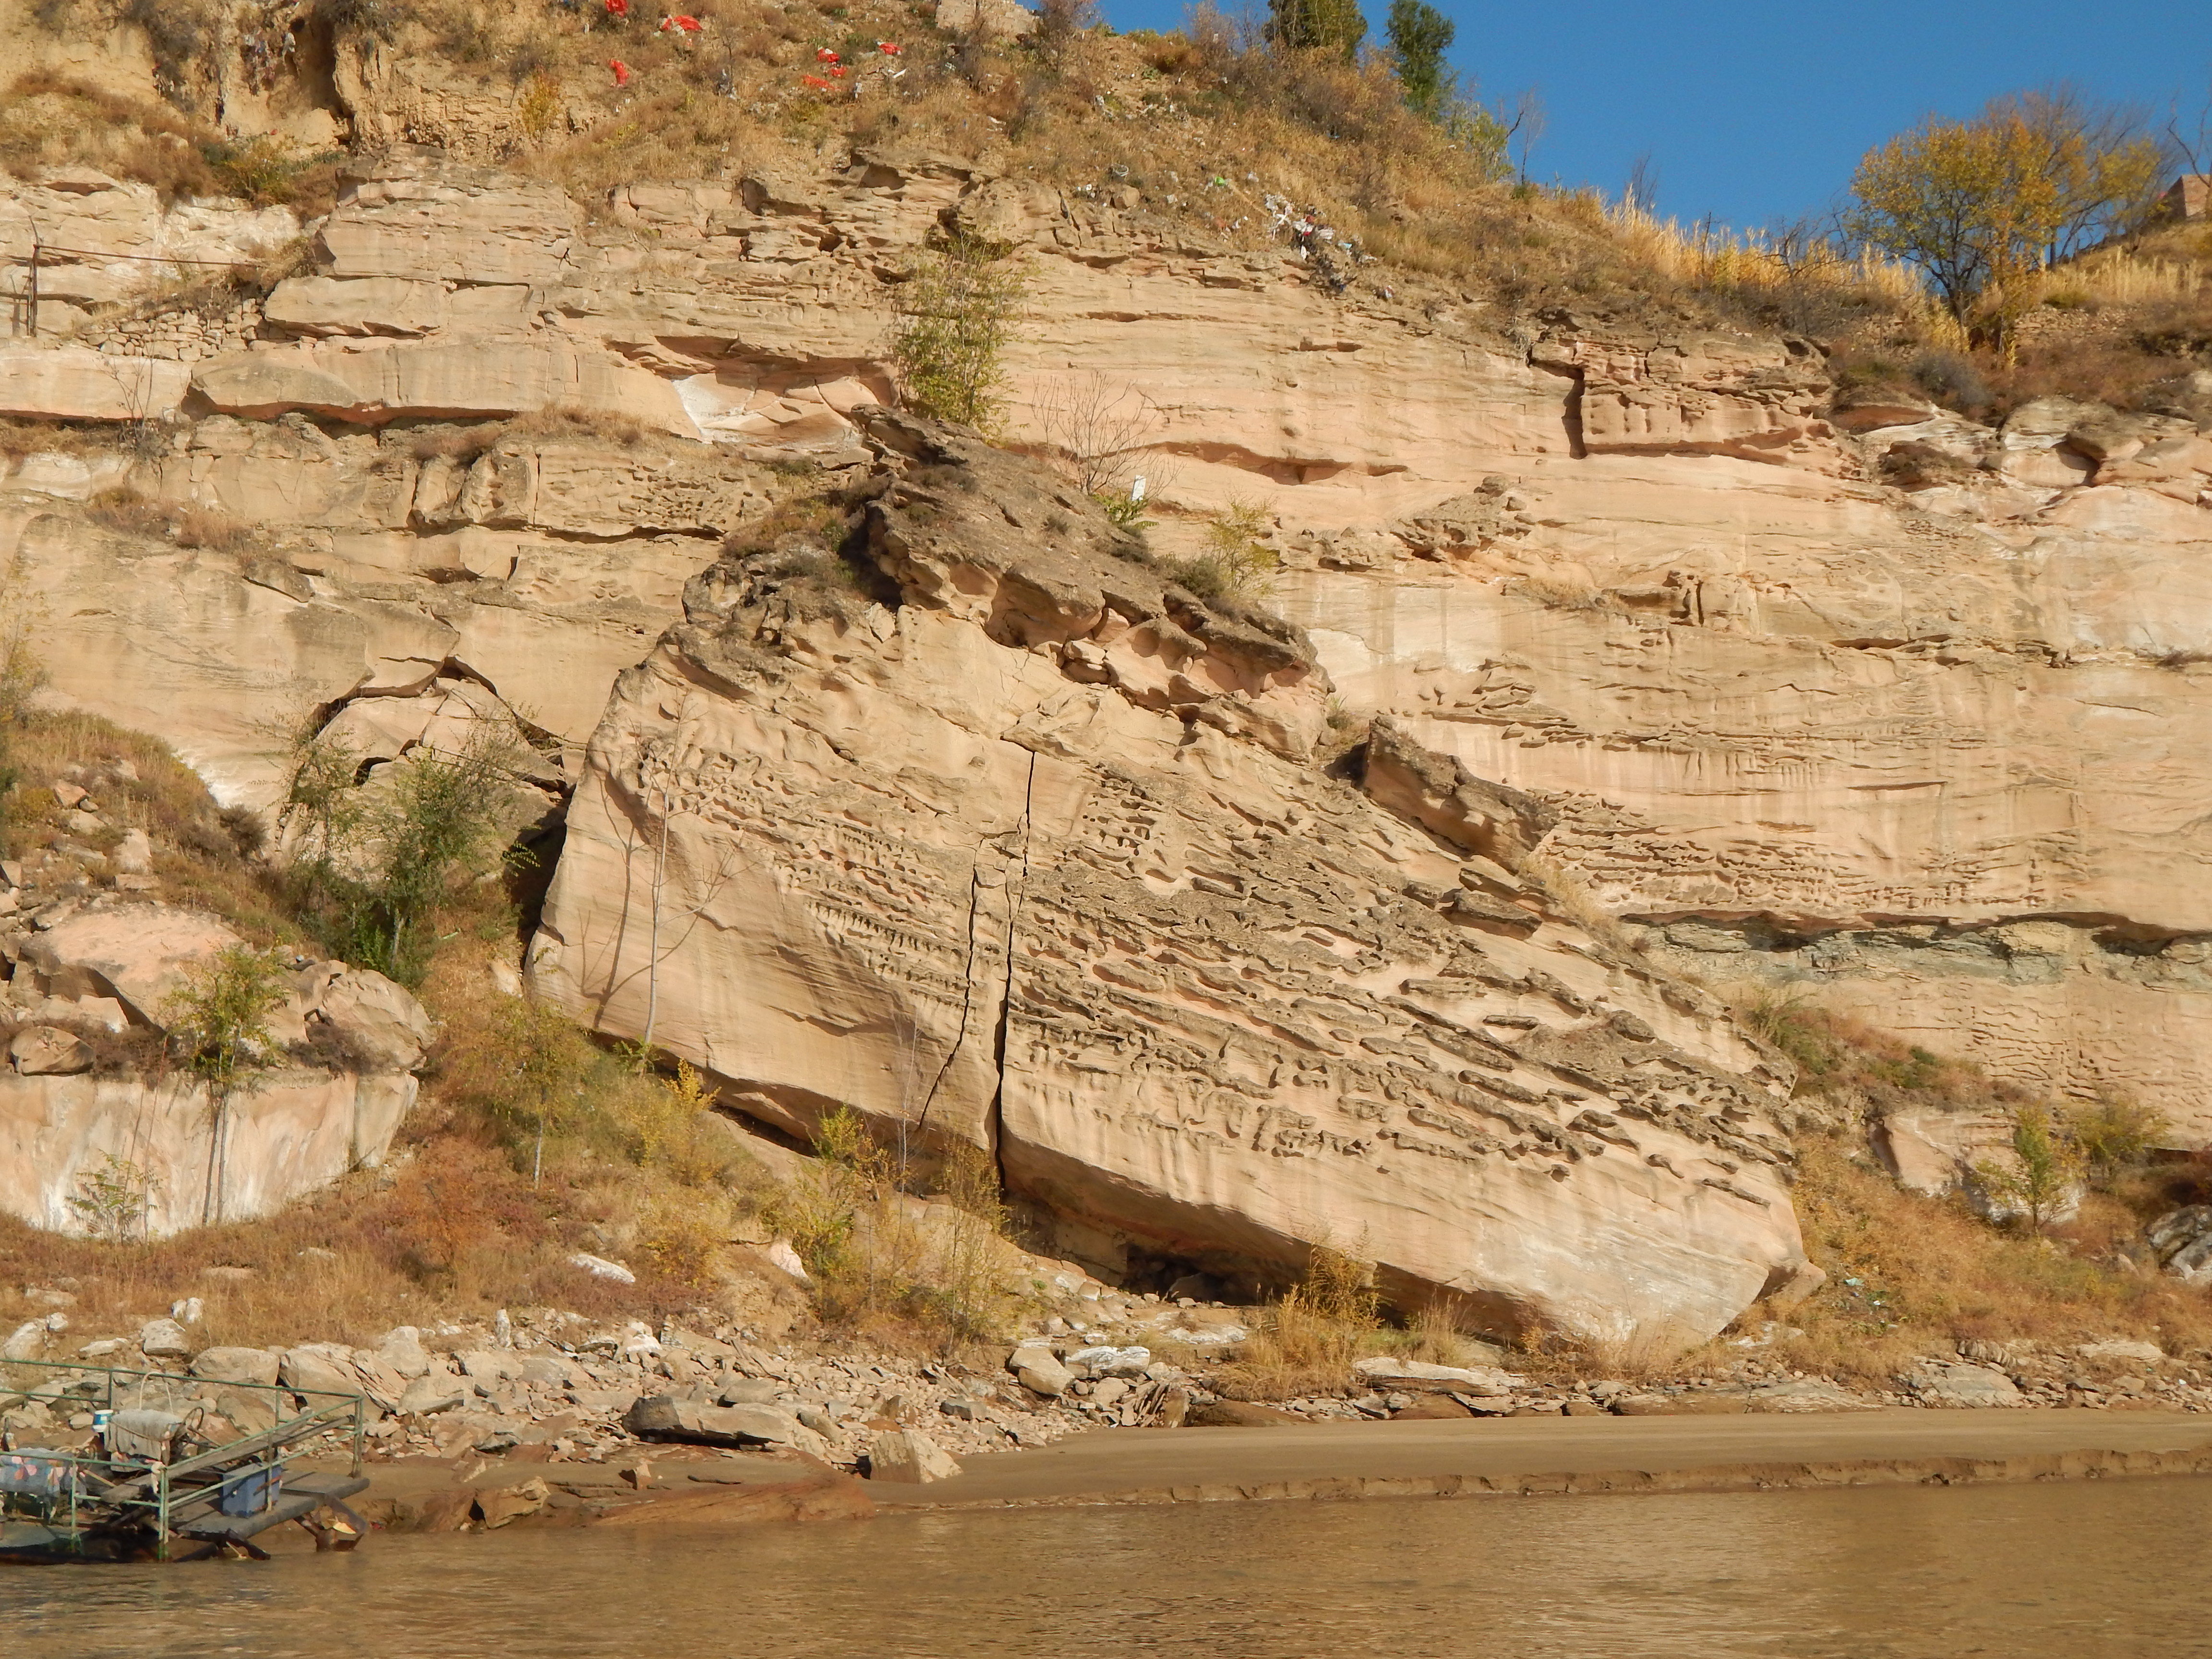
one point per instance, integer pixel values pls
(909, 1457)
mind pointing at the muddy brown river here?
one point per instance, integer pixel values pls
(2069, 1570)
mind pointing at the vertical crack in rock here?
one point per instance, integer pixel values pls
(967, 999)
(995, 1127)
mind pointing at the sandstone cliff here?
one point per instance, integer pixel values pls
(982, 829)
(970, 831)
(1865, 698)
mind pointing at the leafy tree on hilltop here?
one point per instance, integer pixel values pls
(1419, 37)
(1311, 25)
(1980, 205)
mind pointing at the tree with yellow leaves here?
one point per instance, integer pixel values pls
(1982, 205)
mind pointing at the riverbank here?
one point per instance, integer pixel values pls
(687, 1485)
(1578, 1455)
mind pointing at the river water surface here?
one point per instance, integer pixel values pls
(2069, 1570)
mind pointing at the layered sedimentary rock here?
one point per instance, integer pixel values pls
(540, 566)
(1836, 692)
(1021, 845)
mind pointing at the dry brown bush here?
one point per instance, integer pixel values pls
(884, 1264)
(448, 1228)
(1909, 1275)
(453, 443)
(1312, 1334)
(573, 422)
(21, 438)
(128, 513)
(213, 531)
(51, 119)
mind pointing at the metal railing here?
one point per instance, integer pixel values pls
(119, 1489)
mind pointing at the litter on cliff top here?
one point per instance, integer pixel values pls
(621, 70)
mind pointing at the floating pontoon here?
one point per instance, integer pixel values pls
(155, 1483)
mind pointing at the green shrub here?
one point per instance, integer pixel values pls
(951, 321)
(1235, 564)
(372, 866)
(2115, 1136)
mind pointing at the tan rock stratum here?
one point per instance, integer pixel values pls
(1863, 699)
(105, 966)
(1035, 856)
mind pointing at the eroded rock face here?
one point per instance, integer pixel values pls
(1887, 683)
(388, 568)
(1029, 852)
(298, 1129)
(71, 383)
(101, 968)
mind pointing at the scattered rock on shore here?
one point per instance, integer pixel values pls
(909, 1457)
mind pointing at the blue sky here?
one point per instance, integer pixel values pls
(1753, 112)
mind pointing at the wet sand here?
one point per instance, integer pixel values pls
(1578, 1454)
(1498, 1456)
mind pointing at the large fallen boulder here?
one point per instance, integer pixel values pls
(139, 954)
(657, 1416)
(909, 1457)
(1006, 839)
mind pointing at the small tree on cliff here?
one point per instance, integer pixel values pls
(1317, 25)
(951, 321)
(374, 863)
(2044, 1172)
(1419, 37)
(219, 1030)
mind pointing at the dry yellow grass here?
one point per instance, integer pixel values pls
(1908, 1274)
(1705, 255)
(199, 848)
